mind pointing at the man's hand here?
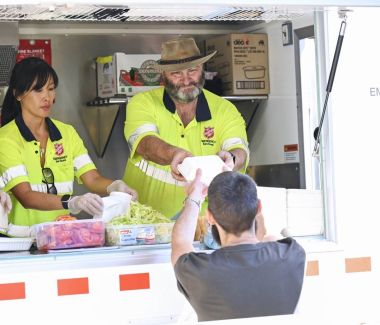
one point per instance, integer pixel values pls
(178, 157)
(5, 202)
(89, 202)
(120, 186)
(228, 159)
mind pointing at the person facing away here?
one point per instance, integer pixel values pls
(245, 277)
(167, 124)
(40, 157)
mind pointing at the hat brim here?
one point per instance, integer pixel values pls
(184, 65)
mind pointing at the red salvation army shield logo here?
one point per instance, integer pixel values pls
(58, 149)
(208, 132)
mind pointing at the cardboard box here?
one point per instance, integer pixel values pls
(126, 74)
(241, 63)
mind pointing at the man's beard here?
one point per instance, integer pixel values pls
(181, 96)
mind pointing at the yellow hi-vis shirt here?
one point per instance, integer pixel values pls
(65, 155)
(217, 126)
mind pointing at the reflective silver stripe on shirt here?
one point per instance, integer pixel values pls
(12, 173)
(157, 173)
(232, 142)
(62, 187)
(81, 161)
(140, 130)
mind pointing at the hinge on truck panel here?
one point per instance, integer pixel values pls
(317, 131)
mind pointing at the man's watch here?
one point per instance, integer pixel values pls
(233, 157)
(65, 201)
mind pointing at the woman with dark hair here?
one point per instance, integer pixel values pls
(40, 156)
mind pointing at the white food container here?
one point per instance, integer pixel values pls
(211, 166)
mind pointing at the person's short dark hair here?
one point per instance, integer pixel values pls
(31, 73)
(232, 199)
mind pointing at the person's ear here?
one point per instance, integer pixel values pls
(210, 218)
(259, 206)
(14, 95)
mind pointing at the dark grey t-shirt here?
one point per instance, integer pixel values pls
(241, 281)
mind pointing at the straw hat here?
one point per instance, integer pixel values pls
(181, 54)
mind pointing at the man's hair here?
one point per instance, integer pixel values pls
(232, 199)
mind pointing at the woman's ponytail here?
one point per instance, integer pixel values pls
(11, 107)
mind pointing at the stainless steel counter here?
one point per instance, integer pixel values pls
(26, 261)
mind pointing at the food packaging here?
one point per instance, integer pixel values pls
(211, 166)
(126, 74)
(117, 203)
(150, 234)
(241, 63)
(70, 234)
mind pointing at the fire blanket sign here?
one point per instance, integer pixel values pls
(291, 153)
(32, 47)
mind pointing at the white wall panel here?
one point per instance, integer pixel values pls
(276, 121)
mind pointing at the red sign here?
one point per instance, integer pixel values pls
(34, 47)
(58, 149)
(208, 132)
(290, 147)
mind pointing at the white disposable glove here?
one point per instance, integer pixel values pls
(89, 202)
(5, 202)
(120, 186)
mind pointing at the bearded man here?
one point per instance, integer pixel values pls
(167, 124)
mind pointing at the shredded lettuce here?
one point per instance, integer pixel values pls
(140, 214)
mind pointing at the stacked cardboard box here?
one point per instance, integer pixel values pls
(241, 63)
(126, 74)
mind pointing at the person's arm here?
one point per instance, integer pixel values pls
(158, 151)
(95, 182)
(29, 199)
(154, 149)
(185, 226)
(101, 185)
(234, 159)
(233, 137)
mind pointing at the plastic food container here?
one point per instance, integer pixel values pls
(115, 204)
(70, 234)
(124, 235)
(211, 166)
(15, 244)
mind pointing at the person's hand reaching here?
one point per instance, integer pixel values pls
(196, 190)
(120, 186)
(89, 202)
(5, 202)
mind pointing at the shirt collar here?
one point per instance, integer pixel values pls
(202, 112)
(54, 133)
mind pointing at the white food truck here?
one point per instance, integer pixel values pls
(327, 200)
